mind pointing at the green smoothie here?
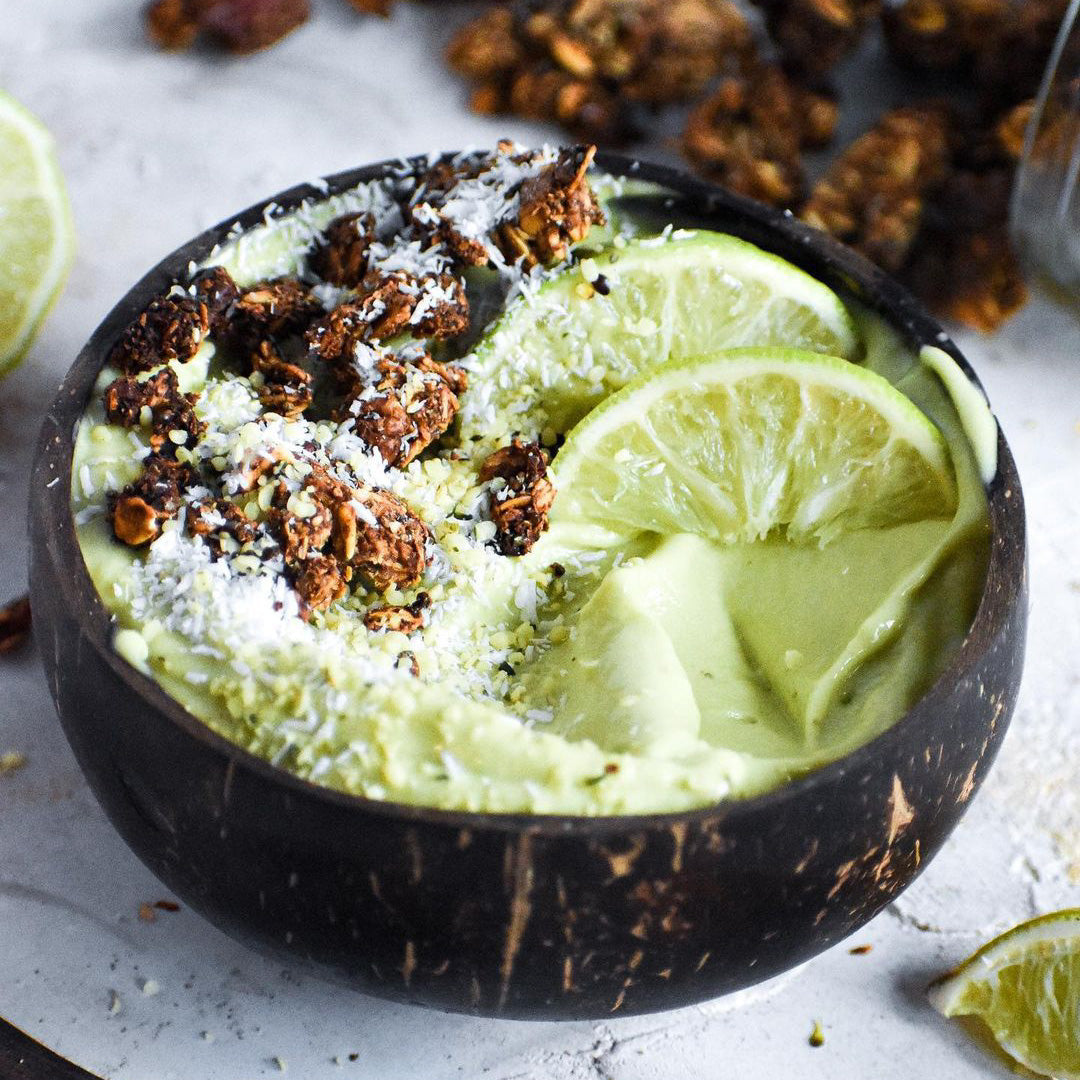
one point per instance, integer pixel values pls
(570, 669)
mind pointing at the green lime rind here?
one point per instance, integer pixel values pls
(567, 346)
(1025, 986)
(36, 232)
(747, 442)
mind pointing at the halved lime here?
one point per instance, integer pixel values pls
(740, 444)
(592, 329)
(36, 239)
(1025, 986)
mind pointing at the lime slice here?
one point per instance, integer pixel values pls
(740, 444)
(595, 327)
(36, 239)
(1025, 985)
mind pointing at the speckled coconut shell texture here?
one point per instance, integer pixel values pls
(511, 915)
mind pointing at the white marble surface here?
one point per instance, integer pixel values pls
(156, 148)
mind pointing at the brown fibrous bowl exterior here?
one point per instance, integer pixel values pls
(512, 915)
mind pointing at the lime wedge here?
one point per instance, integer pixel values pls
(36, 239)
(746, 442)
(595, 327)
(1025, 986)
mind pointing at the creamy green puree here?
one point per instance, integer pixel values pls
(592, 675)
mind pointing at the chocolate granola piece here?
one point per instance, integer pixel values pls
(873, 196)
(240, 26)
(285, 387)
(393, 550)
(215, 519)
(217, 290)
(362, 530)
(334, 338)
(973, 277)
(1009, 64)
(319, 583)
(426, 307)
(520, 508)
(172, 25)
(300, 535)
(403, 618)
(247, 26)
(465, 250)
(488, 47)
(139, 510)
(693, 41)
(588, 108)
(1001, 45)
(274, 309)
(939, 35)
(126, 397)
(14, 625)
(814, 35)
(557, 209)
(171, 328)
(340, 256)
(410, 406)
(750, 132)
(584, 63)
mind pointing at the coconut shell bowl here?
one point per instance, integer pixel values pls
(545, 917)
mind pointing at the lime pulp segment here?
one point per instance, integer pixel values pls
(594, 328)
(737, 445)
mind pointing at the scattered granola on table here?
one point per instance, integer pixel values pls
(873, 195)
(14, 625)
(239, 26)
(813, 36)
(1002, 46)
(589, 64)
(925, 194)
(749, 134)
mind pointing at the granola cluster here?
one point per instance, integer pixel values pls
(239, 26)
(925, 194)
(522, 495)
(590, 64)
(14, 625)
(1001, 45)
(402, 403)
(873, 196)
(813, 36)
(751, 131)
(367, 363)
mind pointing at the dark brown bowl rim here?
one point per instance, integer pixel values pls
(846, 268)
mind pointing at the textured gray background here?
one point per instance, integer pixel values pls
(158, 147)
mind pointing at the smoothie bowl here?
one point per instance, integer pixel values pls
(526, 584)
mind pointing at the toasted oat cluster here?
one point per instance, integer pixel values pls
(925, 194)
(360, 343)
(589, 64)
(750, 133)
(239, 26)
